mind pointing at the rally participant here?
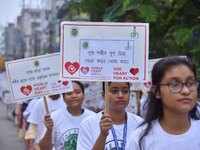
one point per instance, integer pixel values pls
(63, 125)
(109, 131)
(172, 121)
(36, 119)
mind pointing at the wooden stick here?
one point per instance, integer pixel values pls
(106, 98)
(46, 105)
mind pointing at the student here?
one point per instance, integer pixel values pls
(63, 125)
(142, 106)
(172, 122)
(109, 131)
(28, 110)
(36, 128)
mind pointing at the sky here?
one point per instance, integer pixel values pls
(10, 9)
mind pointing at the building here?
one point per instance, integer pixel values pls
(31, 30)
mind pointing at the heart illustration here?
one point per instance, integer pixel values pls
(88, 102)
(147, 84)
(134, 71)
(59, 81)
(65, 83)
(71, 67)
(26, 90)
(85, 70)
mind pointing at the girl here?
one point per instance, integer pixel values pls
(109, 131)
(63, 125)
(172, 122)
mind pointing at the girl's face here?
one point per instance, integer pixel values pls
(183, 101)
(118, 95)
(74, 99)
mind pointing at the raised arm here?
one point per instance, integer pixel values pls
(105, 126)
(46, 142)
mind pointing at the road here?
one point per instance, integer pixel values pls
(8, 132)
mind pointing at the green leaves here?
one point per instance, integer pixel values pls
(174, 24)
(183, 35)
(148, 13)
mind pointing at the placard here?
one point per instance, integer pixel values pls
(35, 77)
(145, 86)
(104, 51)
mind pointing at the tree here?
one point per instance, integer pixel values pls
(174, 24)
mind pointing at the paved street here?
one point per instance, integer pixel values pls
(8, 132)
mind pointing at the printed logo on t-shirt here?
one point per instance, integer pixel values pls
(69, 139)
(110, 145)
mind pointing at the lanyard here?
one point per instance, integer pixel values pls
(124, 136)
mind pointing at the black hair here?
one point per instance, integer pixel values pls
(154, 105)
(103, 85)
(81, 86)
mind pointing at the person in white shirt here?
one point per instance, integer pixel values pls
(28, 109)
(63, 125)
(109, 131)
(171, 122)
(36, 128)
(143, 106)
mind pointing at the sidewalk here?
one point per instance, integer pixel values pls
(8, 135)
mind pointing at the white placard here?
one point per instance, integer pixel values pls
(145, 86)
(35, 77)
(94, 51)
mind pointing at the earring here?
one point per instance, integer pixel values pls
(158, 96)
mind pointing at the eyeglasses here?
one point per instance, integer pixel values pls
(176, 87)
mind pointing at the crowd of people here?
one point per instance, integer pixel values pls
(168, 116)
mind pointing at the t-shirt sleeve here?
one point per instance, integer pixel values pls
(132, 143)
(85, 140)
(36, 114)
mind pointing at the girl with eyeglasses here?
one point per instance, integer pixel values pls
(172, 121)
(109, 131)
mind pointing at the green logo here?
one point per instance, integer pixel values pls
(71, 142)
(74, 32)
(128, 46)
(36, 63)
(85, 45)
(134, 34)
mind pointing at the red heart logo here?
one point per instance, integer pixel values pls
(65, 83)
(147, 84)
(71, 67)
(134, 71)
(85, 70)
(88, 102)
(26, 90)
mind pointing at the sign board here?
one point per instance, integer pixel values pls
(104, 51)
(145, 86)
(36, 77)
(93, 96)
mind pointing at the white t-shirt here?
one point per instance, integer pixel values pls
(29, 108)
(66, 128)
(90, 130)
(143, 107)
(38, 113)
(158, 139)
